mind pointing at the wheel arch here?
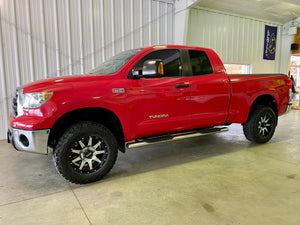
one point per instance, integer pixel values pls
(100, 115)
(266, 100)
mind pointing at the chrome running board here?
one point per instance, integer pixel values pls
(174, 137)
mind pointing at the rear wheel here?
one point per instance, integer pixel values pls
(86, 152)
(261, 124)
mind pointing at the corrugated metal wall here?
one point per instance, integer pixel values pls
(49, 38)
(235, 38)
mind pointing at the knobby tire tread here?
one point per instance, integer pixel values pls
(76, 129)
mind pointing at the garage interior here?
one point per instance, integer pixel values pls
(215, 179)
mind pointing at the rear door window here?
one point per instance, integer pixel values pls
(200, 63)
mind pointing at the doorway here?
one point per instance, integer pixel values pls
(294, 69)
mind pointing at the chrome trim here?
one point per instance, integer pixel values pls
(20, 102)
(17, 102)
(37, 140)
(288, 107)
(178, 137)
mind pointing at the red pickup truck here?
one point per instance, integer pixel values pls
(141, 97)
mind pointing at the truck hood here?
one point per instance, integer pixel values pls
(53, 84)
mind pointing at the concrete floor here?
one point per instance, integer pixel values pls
(216, 179)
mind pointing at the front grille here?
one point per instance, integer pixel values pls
(15, 103)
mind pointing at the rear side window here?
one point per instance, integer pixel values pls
(170, 59)
(200, 63)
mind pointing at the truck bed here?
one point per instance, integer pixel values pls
(245, 88)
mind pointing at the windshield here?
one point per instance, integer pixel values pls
(115, 63)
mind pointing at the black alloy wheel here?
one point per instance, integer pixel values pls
(265, 124)
(85, 152)
(261, 124)
(88, 154)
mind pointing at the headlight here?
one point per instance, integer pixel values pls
(36, 100)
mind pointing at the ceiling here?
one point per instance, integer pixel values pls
(280, 11)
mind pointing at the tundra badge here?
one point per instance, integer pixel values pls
(158, 116)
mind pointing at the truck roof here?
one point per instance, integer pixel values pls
(176, 46)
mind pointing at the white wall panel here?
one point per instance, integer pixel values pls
(48, 38)
(235, 38)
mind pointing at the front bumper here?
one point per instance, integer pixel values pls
(35, 141)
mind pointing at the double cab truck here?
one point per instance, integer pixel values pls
(141, 97)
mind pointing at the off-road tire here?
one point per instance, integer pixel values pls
(85, 152)
(261, 124)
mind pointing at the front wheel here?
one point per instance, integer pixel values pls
(261, 124)
(85, 152)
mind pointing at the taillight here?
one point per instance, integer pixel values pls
(289, 83)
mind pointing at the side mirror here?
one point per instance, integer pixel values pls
(151, 68)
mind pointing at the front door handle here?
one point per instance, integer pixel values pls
(186, 85)
(226, 83)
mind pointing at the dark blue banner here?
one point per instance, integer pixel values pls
(270, 42)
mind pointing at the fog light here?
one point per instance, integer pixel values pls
(24, 140)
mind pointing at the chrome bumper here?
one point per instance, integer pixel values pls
(288, 107)
(35, 141)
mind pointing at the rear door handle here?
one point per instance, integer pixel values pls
(182, 85)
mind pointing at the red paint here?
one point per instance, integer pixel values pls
(209, 100)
